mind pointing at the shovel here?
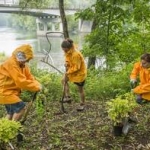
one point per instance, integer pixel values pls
(20, 135)
(28, 108)
(62, 99)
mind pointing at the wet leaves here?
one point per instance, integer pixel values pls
(87, 130)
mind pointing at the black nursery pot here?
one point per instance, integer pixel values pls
(117, 130)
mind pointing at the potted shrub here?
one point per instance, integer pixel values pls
(8, 130)
(119, 110)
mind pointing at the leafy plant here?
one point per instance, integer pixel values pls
(119, 108)
(26, 96)
(8, 129)
(40, 102)
(2, 56)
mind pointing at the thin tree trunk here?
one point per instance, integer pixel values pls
(92, 60)
(63, 18)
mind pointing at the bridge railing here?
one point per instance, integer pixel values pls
(15, 3)
(9, 2)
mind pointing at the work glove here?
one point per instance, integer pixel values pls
(133, 83)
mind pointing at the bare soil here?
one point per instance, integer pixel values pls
(90, 129)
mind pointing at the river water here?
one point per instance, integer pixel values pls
(10, 39)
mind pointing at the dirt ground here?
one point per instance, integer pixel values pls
(90, 129)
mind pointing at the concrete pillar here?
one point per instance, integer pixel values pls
(45, 26)
(42, 25)
(60, 27)
(80, 24)
(53, 27)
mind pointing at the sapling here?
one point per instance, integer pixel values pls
(8, 130)
(120, 108)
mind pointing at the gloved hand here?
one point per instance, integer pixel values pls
(133, 83)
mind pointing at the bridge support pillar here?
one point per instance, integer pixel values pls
(51, 24)
(85, 25)
(80, 24)
(61, 27)
(53, 27)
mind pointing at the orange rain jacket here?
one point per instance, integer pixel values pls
(144, 74)
(74, 60)
(13, 78)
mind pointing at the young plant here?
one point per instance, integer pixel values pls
(8, 129)
(119, 108)
(40, 104)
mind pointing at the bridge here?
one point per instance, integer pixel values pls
(47, 19)
(35, 12)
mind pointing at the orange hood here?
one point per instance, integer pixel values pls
(26, 49)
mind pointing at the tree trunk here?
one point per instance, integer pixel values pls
(92, 59)
(63, 19)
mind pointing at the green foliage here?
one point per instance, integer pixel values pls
(2, 56)
(52, 89)
(72, 23)
(26, 96)
(102, 85)
(34, 3)
(119, 108)
(141, 11)
(51, 83)
(23, 22)
(39, 103)
(86, 14)
(8, 129)
(119, 33)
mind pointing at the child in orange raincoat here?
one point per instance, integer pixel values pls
(15, 76)
(76, 71)
(142, 70)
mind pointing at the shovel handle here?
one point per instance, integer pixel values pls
(62, 99)
(28, 108)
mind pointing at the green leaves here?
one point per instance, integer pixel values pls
(39, 103)
(120, 32)
(120, 107)
(8, 129)
(86, 14)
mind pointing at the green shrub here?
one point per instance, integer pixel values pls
(102, 85)
(119, 108)
(2, 57)
(8, 129)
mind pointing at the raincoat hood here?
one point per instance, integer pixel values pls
(14, 78)
(23, 53)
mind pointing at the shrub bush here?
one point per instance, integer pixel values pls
(8, 129)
